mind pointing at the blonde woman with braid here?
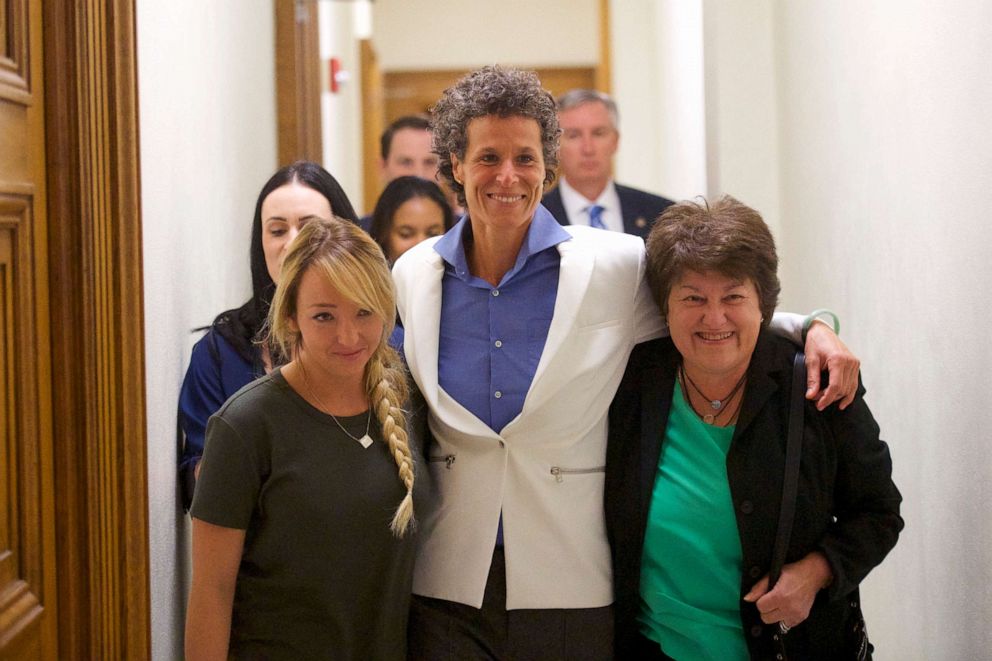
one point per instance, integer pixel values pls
(303, 516)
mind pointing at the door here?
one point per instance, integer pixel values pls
(28, 613)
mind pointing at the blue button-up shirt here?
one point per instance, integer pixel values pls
(492, 337)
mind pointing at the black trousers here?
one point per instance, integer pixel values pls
(443, 630)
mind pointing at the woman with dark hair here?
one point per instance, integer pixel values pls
(694, 481)
(409, 210)
(229, 355)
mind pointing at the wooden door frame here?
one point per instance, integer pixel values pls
(97, 329)
(298, 86)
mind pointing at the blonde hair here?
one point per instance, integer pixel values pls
(354, 265)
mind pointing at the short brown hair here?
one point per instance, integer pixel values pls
(412, 122)
(726, 236)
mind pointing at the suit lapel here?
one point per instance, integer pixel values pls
(574, 275)
(634, 221)
(760, 386)
(553, 203)
(423, 334)
(575, 271)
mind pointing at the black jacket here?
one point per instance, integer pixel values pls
(847, 506)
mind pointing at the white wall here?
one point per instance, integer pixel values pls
(742, 104)
(886, 155)
(342, 25)
(875, 128)
(657, 71)
(208, 142)
(454, 34)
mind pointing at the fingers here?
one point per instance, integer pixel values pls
(853, 369)
(843, 387)
(812, 375)
(791, 599)
(758, 591)
(775, 607)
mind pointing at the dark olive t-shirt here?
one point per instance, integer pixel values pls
(321, 575)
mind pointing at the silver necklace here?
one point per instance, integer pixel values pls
(716, 404)
(366, 440)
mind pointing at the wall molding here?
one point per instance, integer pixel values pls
(97, 337)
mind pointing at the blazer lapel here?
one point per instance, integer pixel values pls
(760, 386)
(574, 273)
(423, 325)
(422, 333)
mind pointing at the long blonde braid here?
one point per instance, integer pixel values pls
(354, 265)
(385, 380)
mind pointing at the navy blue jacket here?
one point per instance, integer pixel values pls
(639, 209)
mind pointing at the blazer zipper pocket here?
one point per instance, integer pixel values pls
(448, 459)
(560, 472)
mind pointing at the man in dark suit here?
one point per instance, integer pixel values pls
(586, 193)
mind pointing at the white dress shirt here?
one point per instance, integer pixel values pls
(577, 206)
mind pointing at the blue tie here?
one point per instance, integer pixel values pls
(596, 217)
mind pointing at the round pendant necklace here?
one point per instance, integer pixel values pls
(716, 404)
(366, 440)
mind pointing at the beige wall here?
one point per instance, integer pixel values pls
(208, 143)
(449, 34)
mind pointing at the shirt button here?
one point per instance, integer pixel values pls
(498, 343)
(495, 292)
(747, 507)
(754, 572)
(497, 394)
(756, 631)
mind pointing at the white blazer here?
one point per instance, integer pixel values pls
(544, 471)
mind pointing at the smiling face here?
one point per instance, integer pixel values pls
(588, 142)
(502, 172)
(416, 219)
(284, 213)
(337, 337)
(714, 321)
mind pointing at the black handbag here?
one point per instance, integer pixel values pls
(856, 634)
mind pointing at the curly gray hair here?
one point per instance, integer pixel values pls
(492, 90)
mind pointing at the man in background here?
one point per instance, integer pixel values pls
(405, 149)
(586, 193)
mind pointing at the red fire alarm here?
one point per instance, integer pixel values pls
(338, 76)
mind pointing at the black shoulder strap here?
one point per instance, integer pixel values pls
(793, 454)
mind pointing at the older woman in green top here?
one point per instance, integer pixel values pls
(695, 467)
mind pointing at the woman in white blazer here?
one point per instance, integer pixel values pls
(518, 331)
